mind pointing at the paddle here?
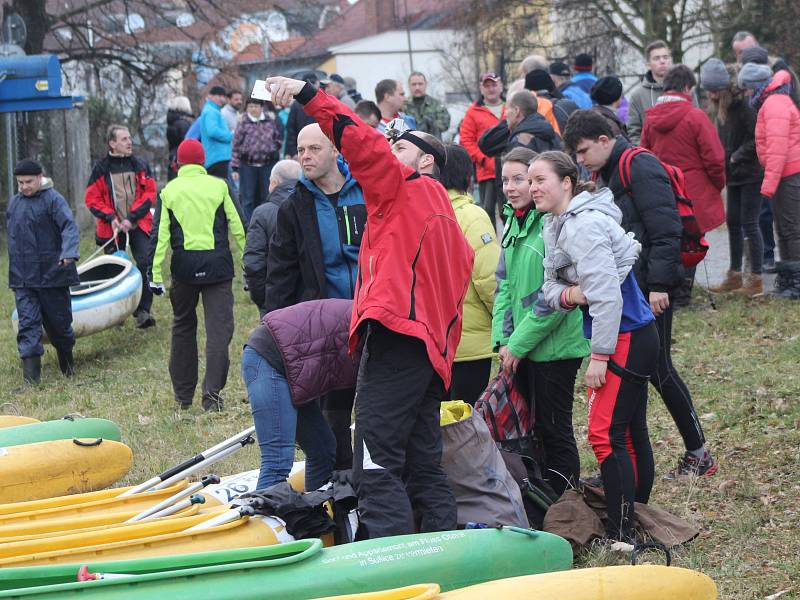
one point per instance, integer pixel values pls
(178, 506)
(194, 464)
(188, 491)
(229, 516)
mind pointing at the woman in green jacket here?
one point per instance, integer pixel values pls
(473, 362)
(542, 347)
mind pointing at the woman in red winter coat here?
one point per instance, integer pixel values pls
(778, 145)
(682, 135)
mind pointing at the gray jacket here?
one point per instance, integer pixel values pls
(586, 246)
(640, 99)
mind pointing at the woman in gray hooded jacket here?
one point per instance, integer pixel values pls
(588, 263)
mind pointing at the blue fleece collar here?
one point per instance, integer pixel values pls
(344, 169)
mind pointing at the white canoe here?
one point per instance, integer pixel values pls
(109, 292)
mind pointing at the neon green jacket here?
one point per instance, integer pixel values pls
(476, 330)
(194, 215)
(530, 328)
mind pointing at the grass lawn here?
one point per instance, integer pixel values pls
(740, 361)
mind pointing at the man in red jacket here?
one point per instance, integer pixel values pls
(486, 112)
(120, 194)
(414, 269)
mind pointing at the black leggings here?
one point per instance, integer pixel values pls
(618, 429)
(673, 390)
(470, 379)
(744, 206)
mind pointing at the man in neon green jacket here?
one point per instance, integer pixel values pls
(544, 348)
(194, 215)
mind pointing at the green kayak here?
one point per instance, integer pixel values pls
(303, 569)
(62, 429)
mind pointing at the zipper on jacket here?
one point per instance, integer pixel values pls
(412, 313)
(347, 226)
(447, 334)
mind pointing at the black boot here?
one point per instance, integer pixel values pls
(66, 362)
(787, 282)
(31, 369)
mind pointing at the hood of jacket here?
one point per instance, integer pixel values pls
(669, 110)
(175, 115)
(344, 169)
(535, 124)
(282, 191)
(602, 201)
(459, 199)
(650, 83)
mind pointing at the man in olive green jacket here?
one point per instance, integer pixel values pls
(432, 117)
(194, 215)
(544, 348)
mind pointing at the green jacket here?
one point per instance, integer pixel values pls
(476, 329)
(432, 117)
(194, 215)
(529, 328)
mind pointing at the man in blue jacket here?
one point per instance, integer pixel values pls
(42, 252)
(215, 135)
(314, 251)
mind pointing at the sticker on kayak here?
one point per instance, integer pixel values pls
(235, 485)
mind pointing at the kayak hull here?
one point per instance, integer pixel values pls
(14, 420)
(302, 570)
(59, 430)
(60, 467)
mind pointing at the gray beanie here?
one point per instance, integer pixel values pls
(714, 76)
(756, 54)
(754, 75)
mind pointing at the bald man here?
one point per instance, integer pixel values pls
(313, 253)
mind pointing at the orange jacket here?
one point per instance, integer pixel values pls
(777, 134)
(478, 119)
(546, 110)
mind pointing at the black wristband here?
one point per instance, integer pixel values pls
(306, 94)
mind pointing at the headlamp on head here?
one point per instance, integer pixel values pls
(395, 129)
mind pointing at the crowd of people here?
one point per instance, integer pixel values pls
(384, 287)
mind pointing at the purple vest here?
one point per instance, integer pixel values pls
(312, 339)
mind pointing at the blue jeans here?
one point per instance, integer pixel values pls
(253, 187)
(278, 422)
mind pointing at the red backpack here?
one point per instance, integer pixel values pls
(694, 246)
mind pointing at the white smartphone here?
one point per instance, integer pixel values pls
(260, 91)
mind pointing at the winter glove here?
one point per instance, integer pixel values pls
(157, 288)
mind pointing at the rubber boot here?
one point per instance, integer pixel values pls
(732, 281)
(787, 283)
(339, 421)
(66, 362)
(752, 285)
(31, 370)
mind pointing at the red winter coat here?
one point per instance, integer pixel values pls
(100, 203)
(478, 119)
(777, 135)
(682, 135)
(415, 264)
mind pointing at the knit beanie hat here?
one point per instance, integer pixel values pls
(583, 62)
(191, 152)
(560, 68)
(27, 166)
(756, 54)
(714, 76)
(754, 75)
(539, 79)
(606, 90)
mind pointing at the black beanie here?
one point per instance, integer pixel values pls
(27, 166)
(606, 90)
(583, 62)
(559, 68)
(539, 79)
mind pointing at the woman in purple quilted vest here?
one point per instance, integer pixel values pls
(296, 355)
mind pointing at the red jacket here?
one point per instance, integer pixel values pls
(478, 119)
(100, 203)
(682, 135)
(777, 135)
(414, 265)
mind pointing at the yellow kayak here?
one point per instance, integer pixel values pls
(164, 537)
(60, 467)
(14, 420)
(422, 591)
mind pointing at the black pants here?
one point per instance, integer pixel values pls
(337, 408)
(219, 169)
(786, 213)
(397, 463)
(470, 378)
(488, 195)
(744, 206)
(50, 308)
(218, 311)
(140, 248)
(673, 390)
(549, 387)
(618, 429)
(767, 229)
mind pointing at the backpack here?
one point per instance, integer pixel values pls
(694, 246)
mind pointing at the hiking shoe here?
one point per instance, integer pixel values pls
(144, 319)
(691, 465)
(213, 402)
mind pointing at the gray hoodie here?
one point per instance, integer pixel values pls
(586, 246)
(640, 99)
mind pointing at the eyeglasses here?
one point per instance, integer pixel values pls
(395, 128)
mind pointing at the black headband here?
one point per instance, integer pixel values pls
(438, 157)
